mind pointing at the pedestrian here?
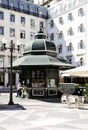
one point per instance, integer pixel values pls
(19, 89)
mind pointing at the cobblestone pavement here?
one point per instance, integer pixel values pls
(31, 114)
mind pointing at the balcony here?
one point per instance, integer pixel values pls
(23, 11)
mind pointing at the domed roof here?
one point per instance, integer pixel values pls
(40, 52)
(40, 45)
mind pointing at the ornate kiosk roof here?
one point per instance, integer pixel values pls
(40, 52)
(40, 46)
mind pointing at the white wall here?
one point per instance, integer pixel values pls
(76, 37)
(18, 26)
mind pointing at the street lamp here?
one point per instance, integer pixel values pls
(11, 48)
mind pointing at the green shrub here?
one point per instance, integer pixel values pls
(86, 91)
(24, 92)
(76, 86)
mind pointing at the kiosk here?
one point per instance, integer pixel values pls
(40, 68)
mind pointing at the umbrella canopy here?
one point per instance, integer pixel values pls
(81, 71)
(39, 60)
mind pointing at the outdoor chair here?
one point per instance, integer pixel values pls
(64, 99)
(72, 101)
(80, 101)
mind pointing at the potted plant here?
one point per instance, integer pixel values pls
(86, 92)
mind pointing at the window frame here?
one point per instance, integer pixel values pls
(70, 31)
(60, 48)
(69, 47)
(81, 45)
(41, 24)
(1, 15)
(60, 34)
(80, 12)
(69, 59)
(61, 20)
(32, 22)
(51, 23)
(52, 37)
(81, 61)
(81, 28)
(22, 20)
(12, 32)
(32, 34)
(12, 18)
(70, 17)
(22, 34)
(1, 30)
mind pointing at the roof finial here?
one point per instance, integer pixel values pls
(40, 28)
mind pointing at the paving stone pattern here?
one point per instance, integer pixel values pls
(31, 114)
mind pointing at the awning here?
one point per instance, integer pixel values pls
(81, 71)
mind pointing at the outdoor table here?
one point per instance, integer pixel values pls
(76, 101)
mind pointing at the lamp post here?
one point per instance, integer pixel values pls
(11, 48)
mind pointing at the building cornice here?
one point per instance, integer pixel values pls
(60, 8)
(46, 2)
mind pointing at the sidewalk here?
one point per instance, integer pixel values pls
(32, 114)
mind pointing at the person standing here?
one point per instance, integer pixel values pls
(19, 89)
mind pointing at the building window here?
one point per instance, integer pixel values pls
(32, 22)
(1, 30)
(22, 34)
(12, 18)
(52, 37)
(12, 4)
(12, 32)
(81, 45)
(31, 8)
(1, 62)
(74, 2)
(28, 8)
(81, 62)
(32, 34)
(69, 59)
(1, 15)
(22, 6)
(60, 34)
(70, 31)
(60, 49)
(22, 20)
(41, 24)
(52, 23)
(70, 17)
(48, 6)
(1, 46)
(81, 28)
(61, 20)
(69, 47)
(80, 12)
(0, 1)
(40, 12)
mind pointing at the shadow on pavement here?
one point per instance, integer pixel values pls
(51, 100)
(11, 107)
(83, 108)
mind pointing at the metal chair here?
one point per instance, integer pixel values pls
(80, 101)
(72, 101)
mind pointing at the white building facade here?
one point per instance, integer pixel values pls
(68, 28)
(64, 21)
(19, 21)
